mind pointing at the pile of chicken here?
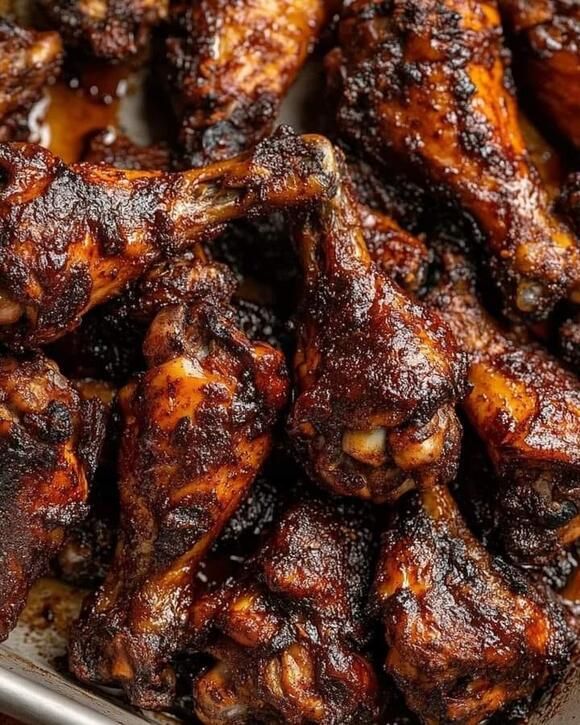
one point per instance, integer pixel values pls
(152, 394)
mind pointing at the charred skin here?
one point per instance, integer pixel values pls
(399, 255)
(111, 30)
(466, 633)
(230, 66)
(526, 409)
(547, 45)
(426, 85)
(289, 635)
(72, 237)
(113, 148)
(378, 375)
(29, 61)
(197, 429)
(50, 438)
(569, 341)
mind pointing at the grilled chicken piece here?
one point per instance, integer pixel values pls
(197, 428)
(73, 236)
(378, 374)
(547, 45)
(230, 66)
(108, 29)
(289, 634)
(50, 438)
(29, 61)
(426, 84)
(466, 633)
(526, 408)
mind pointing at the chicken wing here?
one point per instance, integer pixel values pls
(289, 634)
(526, 408)
(29, 61)
(466, 633)
(108, 29)
(197, 430)
(378, 374)
(72, 237)
(547, 45)
(427, 86)
(231, 64)
(50, 438)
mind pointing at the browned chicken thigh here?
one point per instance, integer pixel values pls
(29, 61)
(230, 66)
(50, 438)
(526, 408)
(378, 375)
(466, 633)
(426, 85)
(197, 429)
(547, 45)
(73, 236)
(289, 634)
(108, 29)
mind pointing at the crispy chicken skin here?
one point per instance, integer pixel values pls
(50, 438)
(108, 29)
(466, 633)
(378, 375)
(231, 64)
(426, 84)
(569, 342)
(289, 633)
(29, 61)
(526, 409)
(73, 236)
(401, 256)
(197, 428)
(547, 43)
(113, 148)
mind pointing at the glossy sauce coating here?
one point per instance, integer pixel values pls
(427, 86)
(466, 633)
(197, 429)
(50, 438)
(74, 236)
(289, 634)
(230, 66)
(377, 373)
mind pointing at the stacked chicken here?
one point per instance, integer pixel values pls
(438, 285)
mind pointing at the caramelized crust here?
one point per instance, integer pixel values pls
(466, 633)
(289, 634)
(113, 148)
(107, 29)
(378, 374)
(547, 44)
(29, 61)
(74, 236)
(526, 408)
(50, 438)
(197, 431)
(426, 85)
(569, 334)
(230, 66)
(398, 254)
